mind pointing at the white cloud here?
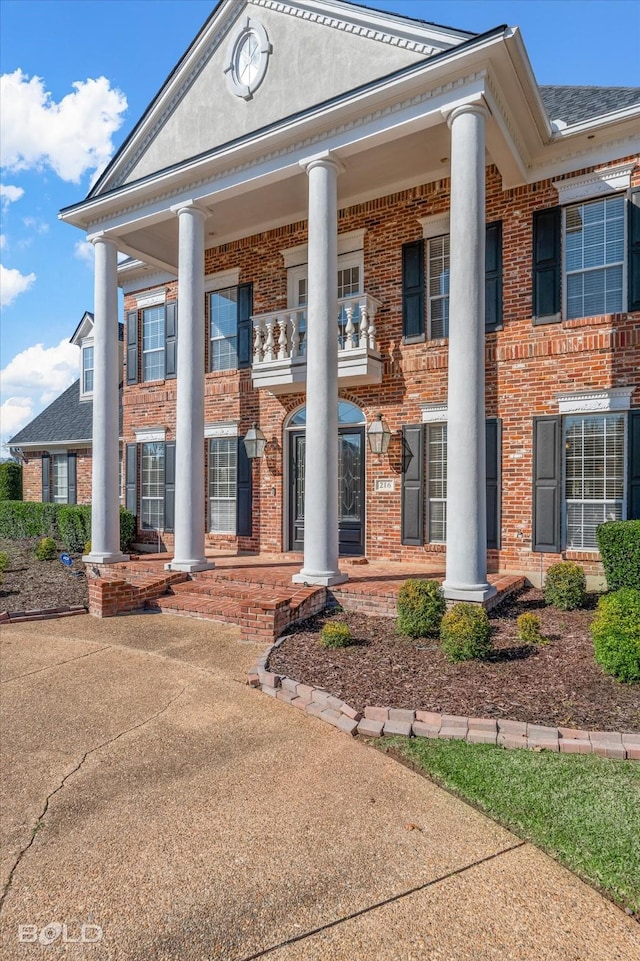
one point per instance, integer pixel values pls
(71, 136)
(9, 194)
(12, 284)
(33, 379)
(83, 250)
(3, 241)
(40, 226)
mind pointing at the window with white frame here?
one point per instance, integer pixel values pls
(153, 340)
(594, 256)
(438, 286)
(223, 477)
(594, 475)
(437, 483)
(87, 369)
(223, 322)
(152, 486)
(60, 479)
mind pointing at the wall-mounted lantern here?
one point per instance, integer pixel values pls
(254, 442)
(379, 435)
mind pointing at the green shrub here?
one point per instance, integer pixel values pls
(616, 634)
(529, 629)
(74, 526)
(336, 634)
(47, 549)
(421, 606)
(465, 632)
(565, 586)
(619, 546)
(127, 529)
(87, 548)
(10, 481)
(4, 561)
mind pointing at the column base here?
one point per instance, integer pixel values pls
(473, 593)
(321, 578)
(189, 567)
(104, 558)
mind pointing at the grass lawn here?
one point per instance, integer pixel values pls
(582, 810)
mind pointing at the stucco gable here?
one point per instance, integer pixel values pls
(319, 49)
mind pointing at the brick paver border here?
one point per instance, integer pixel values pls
(388, 721)
(44, 614)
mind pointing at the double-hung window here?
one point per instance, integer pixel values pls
(594, 476)
(60, 479)
(87, 370)
(438, 286)
(152, 486)
(594, 243)
(223, 482)
(153, 343)
(223, 324)
(437, 483)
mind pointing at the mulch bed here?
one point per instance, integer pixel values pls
(30, 584)
(559, 684)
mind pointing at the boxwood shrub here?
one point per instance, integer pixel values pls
(10, 481)
(619, 546)
(565, 586)
(68, 523)
(421, 606)
(465, 632)
(336, 634)
(616, 634)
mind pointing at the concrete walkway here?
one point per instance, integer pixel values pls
(151, 795)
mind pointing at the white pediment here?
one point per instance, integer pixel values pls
(306, 52)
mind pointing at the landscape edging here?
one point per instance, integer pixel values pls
(43, 614)
(388, 722)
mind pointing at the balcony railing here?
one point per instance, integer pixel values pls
(280, 345)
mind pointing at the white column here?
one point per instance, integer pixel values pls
(189, 553)
(105, 501)
(321, 453)
(466, 570)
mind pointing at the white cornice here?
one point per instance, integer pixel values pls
(595, 401)
(222, 279)
(434, 413)
(434, 226)
(594, 184)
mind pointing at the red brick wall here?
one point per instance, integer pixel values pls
(526, 366)
(32, 475)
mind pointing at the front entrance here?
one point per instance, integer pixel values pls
(350, 479)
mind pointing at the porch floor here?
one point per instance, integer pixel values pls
(256, 590)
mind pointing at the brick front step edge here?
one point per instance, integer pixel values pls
(389, 721)
(45, 614)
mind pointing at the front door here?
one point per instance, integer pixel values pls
(350, 490)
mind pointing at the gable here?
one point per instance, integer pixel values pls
(319, 49)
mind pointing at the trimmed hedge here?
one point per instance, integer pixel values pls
(616, 634)
(465, 633)
(421, 607)
(619, 546)
(68, 523)
(10, 481)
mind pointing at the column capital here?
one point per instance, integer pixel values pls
(101, 238)
(478, 107)
(188, 207)
(324, 159)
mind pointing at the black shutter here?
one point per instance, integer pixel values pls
(493, 277)
(132, 347)
(634, 250)
(493, 444)
(244, 526)
(46, 478)
(547, 483)
(170, 340)
(169, 486)
(72, 479)
(633, 512)
(413, 485)
(413, 289)
(546, 265)
(245, 309)
(131, 478)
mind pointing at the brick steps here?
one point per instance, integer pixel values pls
(196, 605)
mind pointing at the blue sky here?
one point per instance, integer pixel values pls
(56, 131)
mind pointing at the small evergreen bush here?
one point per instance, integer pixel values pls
(465, 632)
(74, 526)
(4, 561)
(10, 481)
(87, 548)
(565, 586)
(619, 546)
(336, 634)
(127, 529)
(529, 629)
(421, 607)
(47, 549)
(616, 634)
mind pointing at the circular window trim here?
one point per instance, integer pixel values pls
(239, 89)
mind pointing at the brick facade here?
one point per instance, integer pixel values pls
(526, 367)
(32, 473)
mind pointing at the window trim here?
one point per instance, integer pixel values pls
(156, 350)
(232, 442)
(160, 497)
(86, 345)
(210, 339)
(442, 297)
(429, 426)
(61, 456)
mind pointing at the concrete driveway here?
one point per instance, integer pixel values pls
(151, 796)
